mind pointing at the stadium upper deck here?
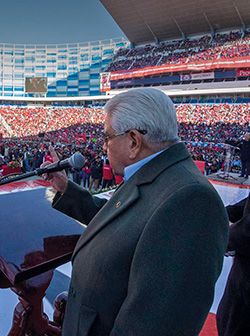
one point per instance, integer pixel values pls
(146, 21)
(218, 59)
(181, 43)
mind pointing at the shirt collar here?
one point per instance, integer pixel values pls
(132, 169)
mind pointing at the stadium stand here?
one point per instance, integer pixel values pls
(154, 43)
(206, 48)
(204, 127)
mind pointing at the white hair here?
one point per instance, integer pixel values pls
(144, 109)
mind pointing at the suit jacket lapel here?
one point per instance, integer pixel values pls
(119, 202)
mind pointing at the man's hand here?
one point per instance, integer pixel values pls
(58, 180)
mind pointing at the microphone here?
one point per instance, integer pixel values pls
(76, 161)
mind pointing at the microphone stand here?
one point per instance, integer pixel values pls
(6, 179)
(37, 172)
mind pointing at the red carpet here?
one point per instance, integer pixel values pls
(209, 328)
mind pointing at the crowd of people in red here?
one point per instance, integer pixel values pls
(28, 121)
(206, 48)
(208, 128)
(28, 131)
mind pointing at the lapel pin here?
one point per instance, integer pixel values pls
(118, 204)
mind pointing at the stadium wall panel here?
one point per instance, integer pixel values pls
(76, 61)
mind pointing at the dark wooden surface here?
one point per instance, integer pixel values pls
(34, 237)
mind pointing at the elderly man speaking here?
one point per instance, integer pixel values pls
(148, 261)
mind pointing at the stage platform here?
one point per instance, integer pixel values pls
(231, 178)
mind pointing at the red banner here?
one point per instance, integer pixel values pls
(237, 62)
(243, 73)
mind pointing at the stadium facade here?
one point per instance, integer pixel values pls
(70, 70)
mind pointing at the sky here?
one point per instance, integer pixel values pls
(55, 21)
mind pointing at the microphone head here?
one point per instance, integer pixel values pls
(77, 160)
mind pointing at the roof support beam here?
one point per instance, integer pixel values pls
(144, 21)
(155, 37)
(240, 17)
(179, 28)
(209, 24)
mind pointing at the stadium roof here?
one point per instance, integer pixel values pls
(144, 21)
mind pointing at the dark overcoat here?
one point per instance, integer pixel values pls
(233, 315)
(149, 259)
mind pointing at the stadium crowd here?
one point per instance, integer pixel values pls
(205, 48)
(26, 121)
(27, 132)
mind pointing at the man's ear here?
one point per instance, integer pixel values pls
(135, 144)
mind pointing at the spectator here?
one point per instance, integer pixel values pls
(107, 175)
(96, 175)
(245, 156)
(234, 308)
(86, 172)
